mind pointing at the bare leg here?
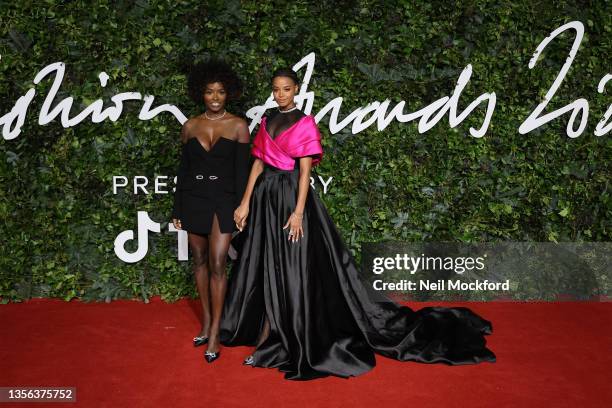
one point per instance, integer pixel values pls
(249, 360)
(199, 254)
(219, 246)
(264, 333)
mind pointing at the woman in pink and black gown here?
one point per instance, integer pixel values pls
(295, 291)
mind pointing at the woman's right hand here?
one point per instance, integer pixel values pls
(177, 223)
(240, 215)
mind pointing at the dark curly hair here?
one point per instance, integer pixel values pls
(286, 72)
(207, 72)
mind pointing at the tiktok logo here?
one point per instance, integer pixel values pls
(146, 225)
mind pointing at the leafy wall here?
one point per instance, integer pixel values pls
(60, 217)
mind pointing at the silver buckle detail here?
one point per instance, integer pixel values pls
(213, 177)
(199, 177)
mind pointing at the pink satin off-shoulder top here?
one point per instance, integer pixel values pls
(300, 139)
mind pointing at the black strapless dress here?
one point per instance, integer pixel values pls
(210, 182)
(323, 319)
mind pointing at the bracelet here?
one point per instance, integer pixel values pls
(300, 216)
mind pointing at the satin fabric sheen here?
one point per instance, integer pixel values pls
(301, 139)
(323, 319)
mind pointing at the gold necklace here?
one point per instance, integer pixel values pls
(217, 118)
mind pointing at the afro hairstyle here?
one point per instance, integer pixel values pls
(208, 72)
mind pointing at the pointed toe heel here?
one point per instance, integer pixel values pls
(200, 341)
(211, 356)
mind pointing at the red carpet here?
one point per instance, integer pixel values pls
(131, 354)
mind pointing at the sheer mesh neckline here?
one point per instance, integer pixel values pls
(278, 122)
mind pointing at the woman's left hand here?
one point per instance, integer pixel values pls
(294, 223)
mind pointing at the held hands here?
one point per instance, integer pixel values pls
(240, 215)
(177, 223)
(295, 226)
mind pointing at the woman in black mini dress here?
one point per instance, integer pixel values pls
(211, 179)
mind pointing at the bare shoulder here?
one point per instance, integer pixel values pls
(235, 120)
(239, 128)
(187, 131)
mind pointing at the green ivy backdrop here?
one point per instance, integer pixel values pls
(59, 217)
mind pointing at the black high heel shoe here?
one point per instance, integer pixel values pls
(211, 356)
(200, 341)
(249, 361)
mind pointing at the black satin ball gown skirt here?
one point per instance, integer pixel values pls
(323, 319)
